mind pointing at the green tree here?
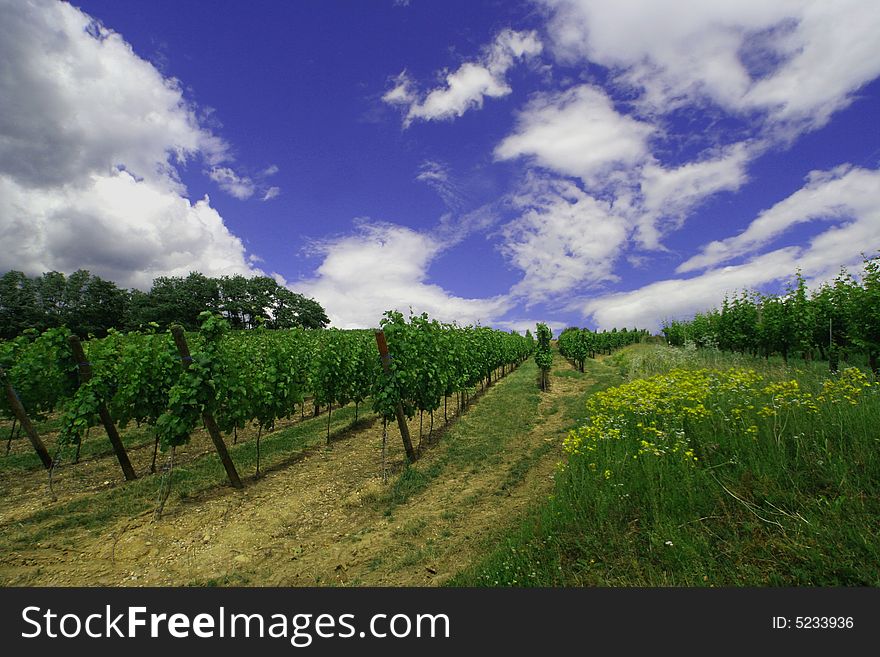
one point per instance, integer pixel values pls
(18, 305)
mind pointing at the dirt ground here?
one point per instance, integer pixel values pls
(324, 519)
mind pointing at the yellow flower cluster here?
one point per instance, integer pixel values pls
(655, 415)
(652, 410)
(846, 388)
(785, 395)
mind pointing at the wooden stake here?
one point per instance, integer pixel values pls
(259, 434)
(384, 442)
(11, 433)
(155, 450)
(398, 411)
(18, 409)
(85, 375)
(329, 415)
(207, 418)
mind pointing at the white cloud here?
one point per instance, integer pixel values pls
(796, 60)
(453, 228)
(850, 198)
(577, 133)
(567, 237)
(402, 93)
(117, 227)
(271, 193)
(648, 306)
(562, 239)
(776, 69)
(73, 104)
(466, 87)
(673, 193)
(843, 195)
(383, 267)
(523, 325)
(241, 187)
(833, 51)
(431, 171)
(90, 137)
(436, 175)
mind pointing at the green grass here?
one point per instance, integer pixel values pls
(798, 506)
(479, 437)
(521, 467)
(642, 360)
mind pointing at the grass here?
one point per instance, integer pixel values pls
(521, 467)
(642, 360)
(95, 445)
(792, 502)
(479, 437)
(190, 480)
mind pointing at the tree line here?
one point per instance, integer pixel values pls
(89, 305)
(837, 320)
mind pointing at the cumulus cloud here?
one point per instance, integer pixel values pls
(563, 238)
(577, 133)
(844, 195)
(241, 187)
(466, 87)
(797, 61)
(776, 69)
(75, 100)
(648, 306)
(848, 197)
(123, 229)
(574, 236)
(90, 138)
(383, 267)
(672, 193)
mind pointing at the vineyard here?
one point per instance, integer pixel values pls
(834, 322)
(103, 529)
(224, 380)
(579, 344)
(262, 456)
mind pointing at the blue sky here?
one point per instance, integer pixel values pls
(569, 161)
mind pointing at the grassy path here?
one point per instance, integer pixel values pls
(321, 514)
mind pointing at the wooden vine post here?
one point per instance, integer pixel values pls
(24, 421)
(207, 418)
(85, 375)
(398, 410)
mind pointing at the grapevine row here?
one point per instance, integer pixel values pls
(835, 320)
(579, 344)
(232, 378)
